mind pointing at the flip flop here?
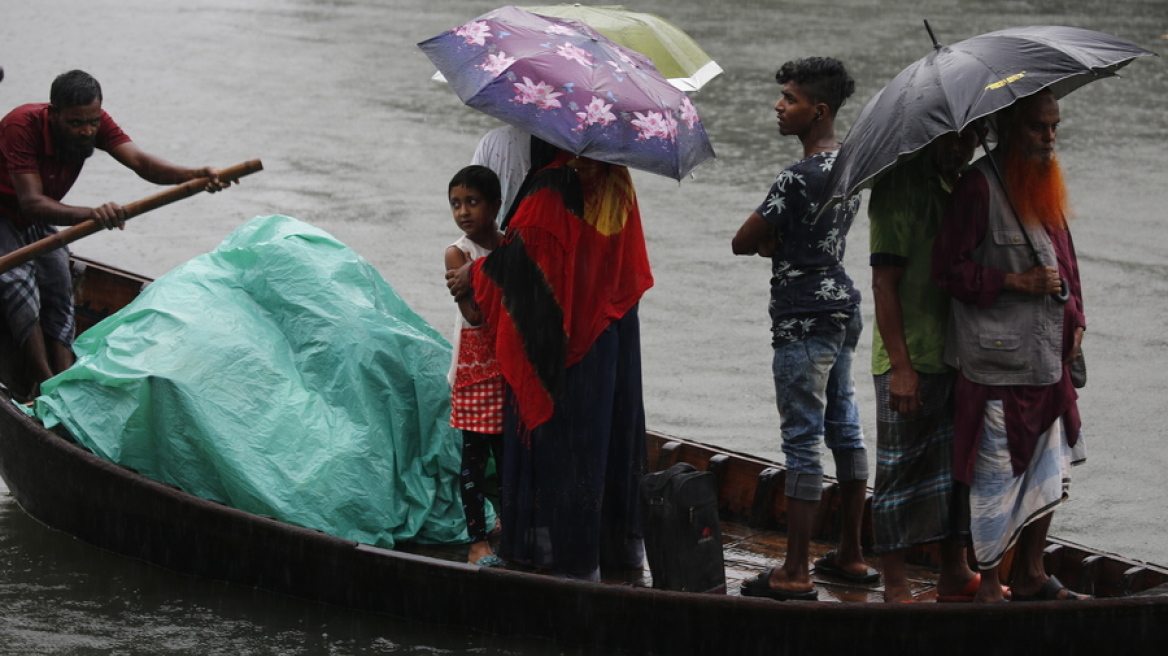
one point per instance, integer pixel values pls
(828, 567)
(969, 591)
(760, 586)
(1050, 592)
(488, 561)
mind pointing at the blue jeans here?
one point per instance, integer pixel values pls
(815, 393)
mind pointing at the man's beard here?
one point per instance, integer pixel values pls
(1037, 191)
(73, 152)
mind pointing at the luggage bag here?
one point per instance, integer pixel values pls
(683, 540)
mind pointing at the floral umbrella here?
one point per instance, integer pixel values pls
(675, 54)
(567, 84)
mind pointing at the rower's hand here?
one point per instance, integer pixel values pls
(214, 184)
(109, 216)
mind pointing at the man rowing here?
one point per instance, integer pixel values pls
(43, 147)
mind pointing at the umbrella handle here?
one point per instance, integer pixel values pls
(89, 226)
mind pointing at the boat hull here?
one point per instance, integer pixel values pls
(69, 489)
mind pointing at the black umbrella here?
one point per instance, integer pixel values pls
(953, 86)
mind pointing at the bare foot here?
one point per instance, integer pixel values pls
(896, 586)
(898, 595)
(990, 591)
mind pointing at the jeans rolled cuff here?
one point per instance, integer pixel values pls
(804, 486)
(850, 464)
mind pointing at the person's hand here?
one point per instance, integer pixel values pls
(214, 184)
(458, 282)
(109, 216)
(1075, 346)
(904, 392)
(1039, 280)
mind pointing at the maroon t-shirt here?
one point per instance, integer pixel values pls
(26, 146)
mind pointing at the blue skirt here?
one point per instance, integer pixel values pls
(569, 497)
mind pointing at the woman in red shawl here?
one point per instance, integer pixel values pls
(560, 295)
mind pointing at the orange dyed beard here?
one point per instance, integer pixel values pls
(1036, 188)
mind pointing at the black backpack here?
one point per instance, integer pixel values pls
(683, 541)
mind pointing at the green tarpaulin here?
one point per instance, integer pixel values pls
(281, 375)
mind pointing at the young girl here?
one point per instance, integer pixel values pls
(476, 381)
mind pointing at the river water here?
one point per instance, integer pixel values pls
(335, 98)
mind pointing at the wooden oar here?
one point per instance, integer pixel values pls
(89, 226)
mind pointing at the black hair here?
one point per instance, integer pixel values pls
(480, 179)
(542, 153)
(823, 79)
(74, 89)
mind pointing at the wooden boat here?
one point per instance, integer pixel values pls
(71, 490)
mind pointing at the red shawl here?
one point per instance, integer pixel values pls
(573, 261)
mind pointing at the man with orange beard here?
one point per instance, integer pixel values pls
(1005, 255)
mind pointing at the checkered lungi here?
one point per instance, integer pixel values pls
(915, 499)
(37, 291)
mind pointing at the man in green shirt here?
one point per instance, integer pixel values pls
(914, 501)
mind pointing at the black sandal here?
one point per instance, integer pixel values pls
(760, 586)
(1050, 592)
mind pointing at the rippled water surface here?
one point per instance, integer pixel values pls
(336, 99)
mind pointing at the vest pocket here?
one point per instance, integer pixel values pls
(997, 353)
(1009, 237)
(1000, 342)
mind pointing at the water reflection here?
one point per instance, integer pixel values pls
(61, 595)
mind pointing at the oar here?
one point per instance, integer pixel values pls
(89, 226)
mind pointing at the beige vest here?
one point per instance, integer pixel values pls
(1017, 341)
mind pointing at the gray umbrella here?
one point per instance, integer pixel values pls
(953, 86)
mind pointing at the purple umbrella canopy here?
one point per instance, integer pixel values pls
(567, 84)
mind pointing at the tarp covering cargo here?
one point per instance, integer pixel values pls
(281, 375)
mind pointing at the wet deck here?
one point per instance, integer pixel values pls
(746, 552)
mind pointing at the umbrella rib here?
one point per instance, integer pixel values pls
(942, 92)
